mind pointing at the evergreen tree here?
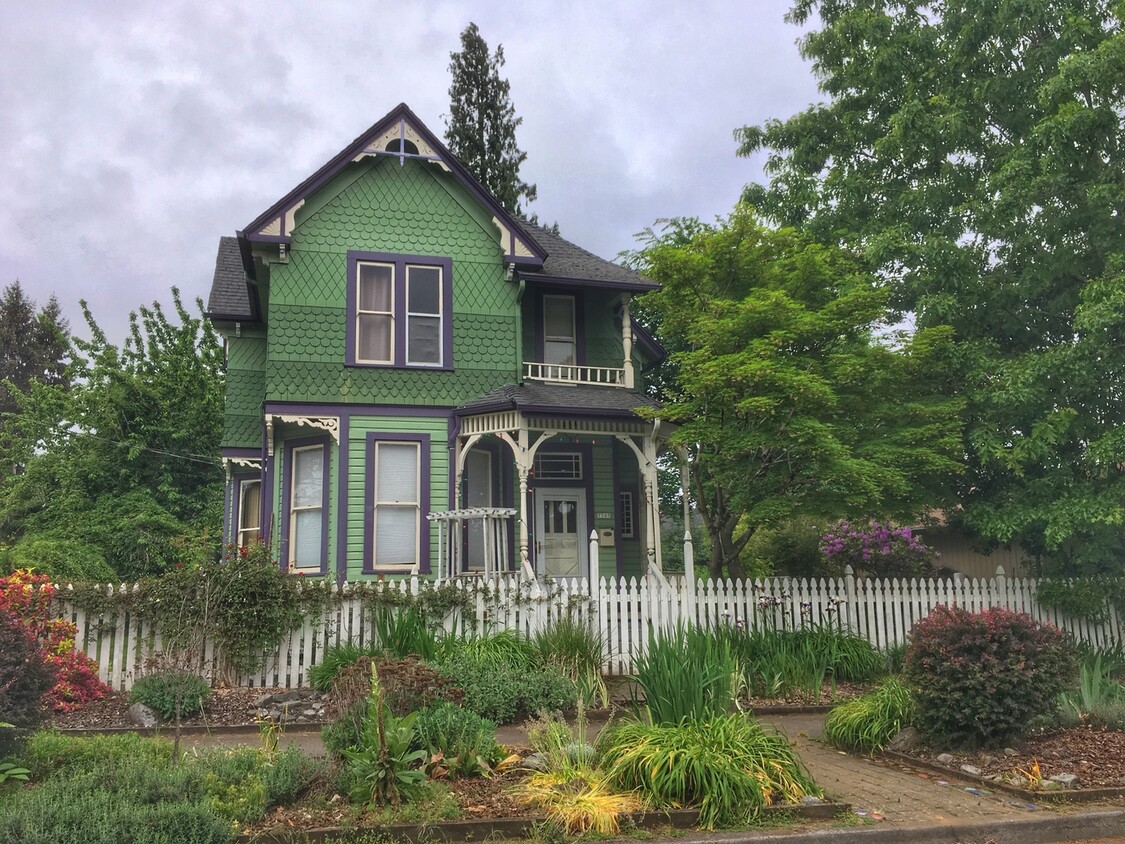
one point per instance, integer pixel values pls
(481, 128)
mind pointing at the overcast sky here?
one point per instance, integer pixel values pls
(134, 134)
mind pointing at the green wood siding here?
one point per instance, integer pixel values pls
(380, 206)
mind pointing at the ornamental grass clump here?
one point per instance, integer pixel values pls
(869, 722)
(687, 674)
(727, 766)
(979, 678)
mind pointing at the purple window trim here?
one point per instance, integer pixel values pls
(237, 479)
(343, 473)
(423, 441)
(286, 494)
(398, 309)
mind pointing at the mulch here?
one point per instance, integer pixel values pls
(223, 707)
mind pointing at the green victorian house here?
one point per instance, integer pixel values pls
(420, 383)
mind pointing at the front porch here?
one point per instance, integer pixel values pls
(539, 468)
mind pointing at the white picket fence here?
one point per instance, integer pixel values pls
(622, 611)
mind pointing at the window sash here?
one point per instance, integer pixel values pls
(306, 507)
(423, 318)
(249, 511)
(374, 314)
(560, 330)
(627, 514)
(397, 503)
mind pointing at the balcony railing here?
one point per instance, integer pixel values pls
(608, 376)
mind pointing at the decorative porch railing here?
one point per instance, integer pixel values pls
(473, 541)
(571, 374)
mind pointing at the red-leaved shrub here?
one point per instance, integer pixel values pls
(978, 678)
(26, 597)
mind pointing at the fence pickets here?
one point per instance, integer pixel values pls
(622, 611)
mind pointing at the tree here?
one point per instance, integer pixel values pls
(125, 466)
(785, 400)
(973, 152)
(481, 129)
(33, 347)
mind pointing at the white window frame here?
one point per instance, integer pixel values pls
(294, 508)
(360, 312)
(627, 502)
(240, 529)
(573, 457)
(378, 500)
(572, 338)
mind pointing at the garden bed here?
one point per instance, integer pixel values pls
(1095, 756)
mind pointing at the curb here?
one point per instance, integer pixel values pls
(1023, 830)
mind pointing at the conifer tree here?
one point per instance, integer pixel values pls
(481, 128)
(33, 346)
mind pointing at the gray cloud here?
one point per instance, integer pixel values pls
(134, 134)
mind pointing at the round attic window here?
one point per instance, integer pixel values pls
(399, 145)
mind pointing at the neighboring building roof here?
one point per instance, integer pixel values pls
(567, 262)
(230, 297)
(559, 399)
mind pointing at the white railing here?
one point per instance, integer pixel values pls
(473, 541)
(570, 374)
(623, 610)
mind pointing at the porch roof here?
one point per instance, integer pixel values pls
(573, 400)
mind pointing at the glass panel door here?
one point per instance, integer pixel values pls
(562, 526)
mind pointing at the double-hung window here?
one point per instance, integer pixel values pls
(249, 511)
(399, 311)
(306, 506)
(397, 500)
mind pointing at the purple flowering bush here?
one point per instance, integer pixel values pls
(876, 549)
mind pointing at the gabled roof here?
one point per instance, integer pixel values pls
(567, 263)
(231, 297)
(399, 129)
(559, 400)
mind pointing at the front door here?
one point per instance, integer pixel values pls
(562, 527)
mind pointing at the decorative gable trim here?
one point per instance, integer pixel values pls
(414, 140)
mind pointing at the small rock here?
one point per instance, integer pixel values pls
(971, 770)
(809, 800)
(1065, 780)
(263, 701)
(990, 760)
(142, 716)
(262, 713)
(945, 759)
(906, 741)
(535, 762)
(1019, 781)
(1011, 751)
(310, 713)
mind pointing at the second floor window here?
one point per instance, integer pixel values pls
(399, 311)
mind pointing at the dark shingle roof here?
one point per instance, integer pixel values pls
(567, 261)
(230, 294)
(563, 399)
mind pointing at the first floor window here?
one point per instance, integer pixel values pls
(397, 504)
(249, 511)
(628, 531)
(306, 507)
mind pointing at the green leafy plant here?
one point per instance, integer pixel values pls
(572, 645)
(460, 741)
(404, 632)
(290, 773)
(172, 694)
(11, 771)
(25, 678)
(726, 765)
(337, 658)
(978, 678)
(687, 674)
(49, 753)
(1098, 699)
(384, 767)
(505, 693)
(503, 649)
(869, 722)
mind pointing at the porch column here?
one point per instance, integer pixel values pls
(646, 462)
(627, 340)
(523, 465)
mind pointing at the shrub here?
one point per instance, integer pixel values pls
(51, 754)
(504, 694)
(727, 766)
(61, 558)
(869, 722)
(27, 598)
(790, 548)
(172, 693)
(465, 741)
(335, 660)
(289, 774)
(504, 649)
(404, 632)
(687, 674)
(877, 550)
(1098, 700)
(24, 679)
(978, 678)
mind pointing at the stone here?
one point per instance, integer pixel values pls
(263, 701)
(142, 716)
(535, 762)
(1065, 780)
(809, 800)
(906, 741)
(262, 713)
(945, 759)
(310, 713)
(990, 760)
(971, 770)
(1011, 751)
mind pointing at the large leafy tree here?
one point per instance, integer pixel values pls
(973, 151)
(481, 129)
(786, 402)
(33, 347)
(123, 469)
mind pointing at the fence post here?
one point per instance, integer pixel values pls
(595, 579)
(1000, 593)
(689, 576)
(850, 599)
